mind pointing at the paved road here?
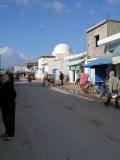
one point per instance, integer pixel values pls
(52, 124)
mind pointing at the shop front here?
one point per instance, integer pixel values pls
(75, 68)
(116, 60)
(102, 67)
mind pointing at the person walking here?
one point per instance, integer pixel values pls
(61, 77)
(113, 83)
(7, 104)
(29, 78)
(11, 77)
(78, 79)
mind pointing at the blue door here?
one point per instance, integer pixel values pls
(100, 73)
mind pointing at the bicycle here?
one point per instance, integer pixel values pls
(93, 90)
(100, 90)
(87, 87)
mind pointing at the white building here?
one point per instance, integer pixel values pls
(76, 65)
(55, 63)
(62, 59)
(14, 69)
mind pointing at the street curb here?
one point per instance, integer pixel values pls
(82, 95)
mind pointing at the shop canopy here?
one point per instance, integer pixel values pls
(73, 63)
(116, 55)
(105, 59)
(116, 52)
(4, 69)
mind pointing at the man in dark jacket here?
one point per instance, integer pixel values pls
(113, 83)
(61, 77)
(7, 104)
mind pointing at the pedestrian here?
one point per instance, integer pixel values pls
(45, 76)
(78, 79)
(113, 83)
(61, 77)
(0, 80)
(11, 77)
(119, 88)
(7, 104)
(29, 78)
(18, 76)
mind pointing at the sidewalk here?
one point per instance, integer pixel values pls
(75, 88)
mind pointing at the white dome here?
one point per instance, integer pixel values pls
(62, 49)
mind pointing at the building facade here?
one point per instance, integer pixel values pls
(76, 65)
(96, 35)
(100, 31)
(55, 63)
(112, 45)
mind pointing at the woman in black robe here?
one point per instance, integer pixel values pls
(7, 104)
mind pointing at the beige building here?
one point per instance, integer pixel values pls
(100, 31)
(99, 47)
(112, 45)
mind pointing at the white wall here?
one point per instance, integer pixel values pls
(43, 60)
(60, 65)
(19, 68)
(39, 74)
(71, 76)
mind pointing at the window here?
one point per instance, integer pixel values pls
(96, 40)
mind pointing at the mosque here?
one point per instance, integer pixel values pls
(61, 59)
(62, 50)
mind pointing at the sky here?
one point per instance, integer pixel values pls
(30, 29)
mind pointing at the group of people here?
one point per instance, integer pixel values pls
(7, 105)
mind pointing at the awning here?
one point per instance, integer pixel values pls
(116, 55)
(73, 63)
(106, 59)
(116, 52)
(4, 69)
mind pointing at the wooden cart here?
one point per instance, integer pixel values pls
(48, 80)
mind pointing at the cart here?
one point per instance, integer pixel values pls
(49, 80)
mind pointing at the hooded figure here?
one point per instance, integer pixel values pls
(113, 83)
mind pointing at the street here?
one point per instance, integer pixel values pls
(53, 124)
